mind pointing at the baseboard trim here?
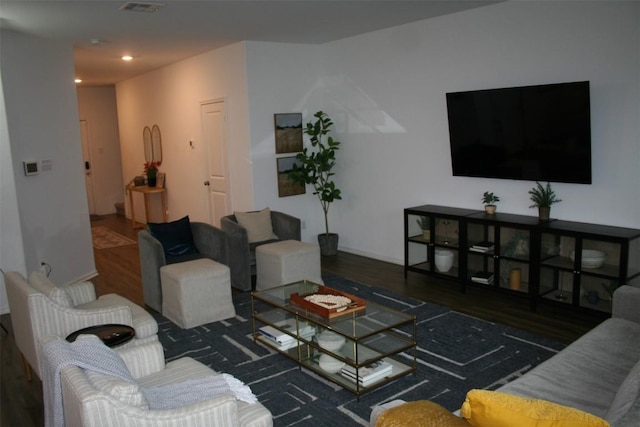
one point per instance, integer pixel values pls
(377, 257)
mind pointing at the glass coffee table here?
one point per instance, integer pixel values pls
(360, 345)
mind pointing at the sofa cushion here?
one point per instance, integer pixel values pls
(422, 413)
(125, 392)
(258, 225)
(176, 237)
(599, 360)
(41, 283)
(484, 408)
(628, 393)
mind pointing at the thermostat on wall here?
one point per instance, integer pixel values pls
(30, 167)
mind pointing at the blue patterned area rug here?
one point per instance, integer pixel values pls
(456, 353)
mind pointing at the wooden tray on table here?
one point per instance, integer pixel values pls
(356, 304)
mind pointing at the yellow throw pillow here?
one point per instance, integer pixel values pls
(421, 413)
(483, 408)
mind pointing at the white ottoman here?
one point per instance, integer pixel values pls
(285, 262)
(196, 292)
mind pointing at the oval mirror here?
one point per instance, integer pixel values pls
(156, 143)
(148, 147)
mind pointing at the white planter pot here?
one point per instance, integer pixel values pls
(444, 260)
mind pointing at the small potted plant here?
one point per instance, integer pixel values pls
(490, 200)
(543, 197)
(425, 224)
(151, 170)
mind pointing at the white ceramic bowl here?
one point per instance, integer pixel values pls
(330, 341)
(330, 364)
(590, 258)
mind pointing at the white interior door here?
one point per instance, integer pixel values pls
(214, 135)
(86, 158)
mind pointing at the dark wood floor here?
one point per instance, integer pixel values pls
(119, 272)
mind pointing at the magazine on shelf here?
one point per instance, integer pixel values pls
(302, 328)
(275, 335)
(283, 346)
(482, 281)
(484, 277)
(368, 374)
(483, 246)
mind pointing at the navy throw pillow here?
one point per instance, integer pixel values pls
(176, 237)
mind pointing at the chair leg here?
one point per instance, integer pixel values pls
(27, 368)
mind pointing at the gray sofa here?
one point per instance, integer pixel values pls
(599, 373)
(242, 254)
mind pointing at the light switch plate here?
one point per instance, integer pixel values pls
(30, 167)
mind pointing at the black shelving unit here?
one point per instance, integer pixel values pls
(541, 260)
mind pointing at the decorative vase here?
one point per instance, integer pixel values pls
(490, 209)
(426, 235)
(444, 260)
(328, 244)
(151, 180)
(543, 212)
(593, 297)
(515, 277)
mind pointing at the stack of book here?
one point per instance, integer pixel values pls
(483, 246)
(282, 341)
(484, 277)
(369, 374)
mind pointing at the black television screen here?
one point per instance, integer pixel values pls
(535, 133)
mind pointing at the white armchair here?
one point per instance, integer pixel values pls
(90, 401)
(39, 308)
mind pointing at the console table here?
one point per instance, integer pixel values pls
(522, 255)
(147, 191)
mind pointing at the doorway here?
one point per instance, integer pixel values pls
(86, 158)
(213, 117)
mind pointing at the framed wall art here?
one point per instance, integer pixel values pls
(288, 129)
(287, 187)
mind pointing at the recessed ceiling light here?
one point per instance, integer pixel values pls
(141, 7)
(127, 58)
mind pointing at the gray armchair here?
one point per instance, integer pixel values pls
(211, 242)
(242, 254)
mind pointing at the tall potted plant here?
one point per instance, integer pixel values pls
(543, 197)
(315, 165)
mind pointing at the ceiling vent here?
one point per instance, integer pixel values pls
(141, 7)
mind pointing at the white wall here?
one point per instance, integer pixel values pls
(11, 249)
(386, 93)
(171, 98)
(97, 105)
(282, 78)
(389, 101)
(42, 123)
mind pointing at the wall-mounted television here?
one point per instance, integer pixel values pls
(534, 133)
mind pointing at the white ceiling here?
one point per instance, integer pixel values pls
(183, 28)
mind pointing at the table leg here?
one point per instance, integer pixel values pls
(163, 198)
(133, 212)
(147, 206)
